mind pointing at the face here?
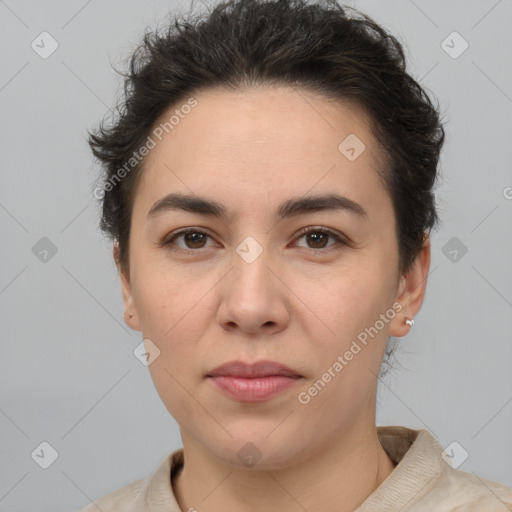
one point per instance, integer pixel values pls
(297, 286)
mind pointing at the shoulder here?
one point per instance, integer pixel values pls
(125, 497)
(457, 490)
(154, 491)
(424, 481)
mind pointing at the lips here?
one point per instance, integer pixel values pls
(256, 382)
(251, 371)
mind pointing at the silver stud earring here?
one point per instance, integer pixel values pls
(410, 323)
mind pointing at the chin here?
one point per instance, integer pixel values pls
(261, 452)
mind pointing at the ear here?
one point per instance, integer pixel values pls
(131, 317)
(411, 291)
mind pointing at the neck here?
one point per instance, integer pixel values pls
(336, 477)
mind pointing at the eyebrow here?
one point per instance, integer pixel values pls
(290, 208)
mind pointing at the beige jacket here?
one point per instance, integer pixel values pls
(421, 482)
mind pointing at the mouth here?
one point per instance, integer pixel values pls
(256, 382)
(254, 370)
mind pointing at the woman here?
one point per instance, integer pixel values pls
(269, 188)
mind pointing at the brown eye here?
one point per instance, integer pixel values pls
(193, 241)
(317, 238)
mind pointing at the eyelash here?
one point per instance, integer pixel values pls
(167, 242)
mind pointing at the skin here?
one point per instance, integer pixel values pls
(251, 150)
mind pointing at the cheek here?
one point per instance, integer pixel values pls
(174, 321)
(348, 305)
(168, 298)
(174, 311)
(348, 302)
(173, 387)
(346, 299)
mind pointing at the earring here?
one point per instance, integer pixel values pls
(129, 316)
(410, 323)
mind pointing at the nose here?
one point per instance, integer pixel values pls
(254, 300)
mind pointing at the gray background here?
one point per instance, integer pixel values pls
(67, 372)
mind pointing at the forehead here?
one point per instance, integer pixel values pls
(267, 142)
